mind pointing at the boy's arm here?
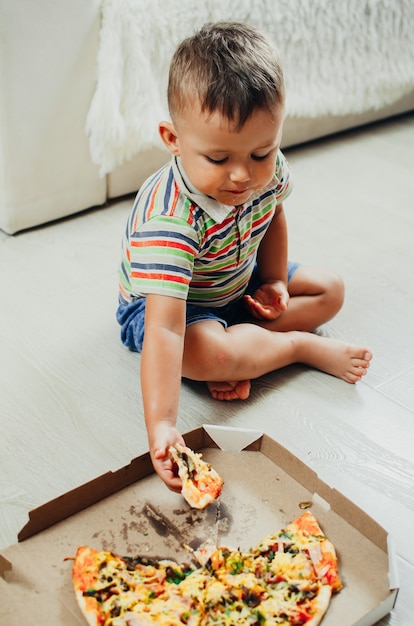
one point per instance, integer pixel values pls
(161, 367)
(272, 256)
(272, 298)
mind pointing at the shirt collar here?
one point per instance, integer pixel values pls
(214, 209)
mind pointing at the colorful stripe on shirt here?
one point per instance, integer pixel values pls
(172, 247)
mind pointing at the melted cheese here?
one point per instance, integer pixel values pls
(291, 566)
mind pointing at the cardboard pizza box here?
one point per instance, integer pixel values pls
(131, 512)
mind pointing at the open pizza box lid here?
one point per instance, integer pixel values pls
(131, 512)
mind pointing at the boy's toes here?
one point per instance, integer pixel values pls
(359, 363)
(364, 355)
(353, 377)
(242, 389)
(356, 372)
(239, 390)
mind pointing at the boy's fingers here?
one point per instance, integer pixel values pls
(260, 311)
(159, 454)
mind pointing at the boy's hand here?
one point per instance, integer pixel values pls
(269, 301)
(164, 436)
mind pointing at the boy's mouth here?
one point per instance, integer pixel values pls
(237, 192)
(236, 196)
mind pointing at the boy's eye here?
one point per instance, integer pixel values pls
(255, 157)
(263, 157)
(216, 161)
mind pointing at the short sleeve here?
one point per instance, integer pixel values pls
(162, 253)
(283, 176)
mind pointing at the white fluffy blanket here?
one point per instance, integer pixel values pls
(339, 57)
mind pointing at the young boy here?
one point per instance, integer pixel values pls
(204, 268)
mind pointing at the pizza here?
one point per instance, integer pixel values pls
(201, 484)
(287, 579)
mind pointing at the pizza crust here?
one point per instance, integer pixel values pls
(321, 604)
(89, 613)
(84, 575)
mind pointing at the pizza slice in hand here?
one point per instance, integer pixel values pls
(201, 483)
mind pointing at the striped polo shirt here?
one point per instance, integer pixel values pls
(181, 243)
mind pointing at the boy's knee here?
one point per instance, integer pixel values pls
(218, 364)
(335, 290)
(209, 364)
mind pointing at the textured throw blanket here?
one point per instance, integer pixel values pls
(339, 58)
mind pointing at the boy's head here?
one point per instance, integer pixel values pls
(226, 97)
(230, 68)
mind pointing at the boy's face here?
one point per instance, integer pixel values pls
(223, 163)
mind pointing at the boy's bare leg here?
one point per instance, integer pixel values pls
(227, 359)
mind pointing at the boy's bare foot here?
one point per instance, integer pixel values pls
(340, 359)
(231, 390)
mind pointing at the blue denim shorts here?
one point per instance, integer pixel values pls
(131, 316)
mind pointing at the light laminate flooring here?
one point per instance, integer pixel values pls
(70, 403)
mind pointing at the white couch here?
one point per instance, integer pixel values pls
(48, 72)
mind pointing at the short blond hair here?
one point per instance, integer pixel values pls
(228, 67)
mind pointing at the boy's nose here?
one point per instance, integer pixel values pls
(240, 174)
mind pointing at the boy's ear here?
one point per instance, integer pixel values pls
(169, 137)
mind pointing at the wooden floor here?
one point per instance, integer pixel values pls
(70, 405)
